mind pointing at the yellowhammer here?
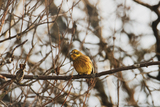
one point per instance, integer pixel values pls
(81, 62)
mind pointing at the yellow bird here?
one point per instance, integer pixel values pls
(82, 63)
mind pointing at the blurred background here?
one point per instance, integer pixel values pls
(113, 33)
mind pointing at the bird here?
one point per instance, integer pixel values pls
(82, 63)
(20, 73)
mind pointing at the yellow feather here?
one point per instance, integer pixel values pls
(81, 62)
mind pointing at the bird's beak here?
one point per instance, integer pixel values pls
(70, 53)
(71, 56)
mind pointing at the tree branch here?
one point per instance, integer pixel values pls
(45, 77)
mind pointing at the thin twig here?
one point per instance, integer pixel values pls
(67, 96)
(58, 94)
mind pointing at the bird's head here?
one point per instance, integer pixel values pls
(75, 54)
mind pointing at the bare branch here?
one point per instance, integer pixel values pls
(45, 77)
